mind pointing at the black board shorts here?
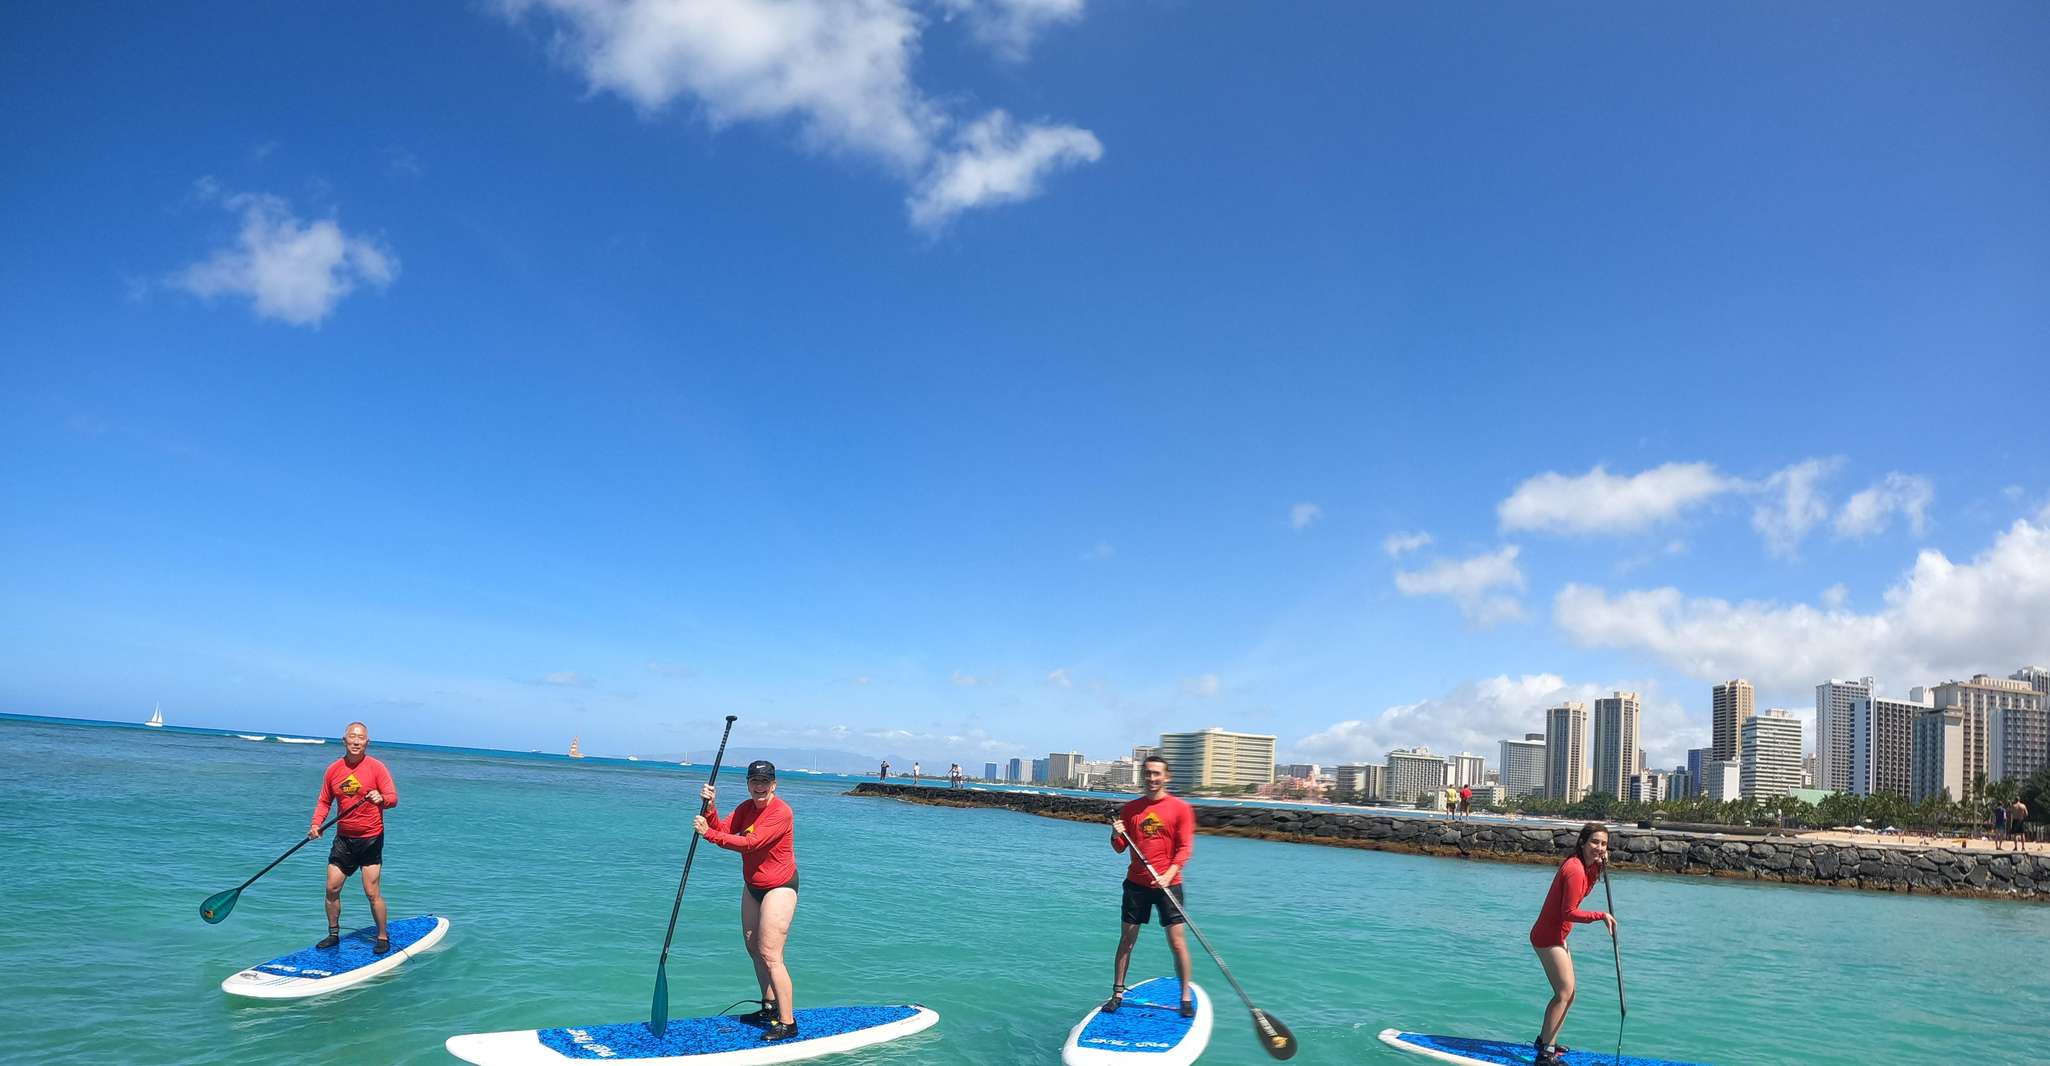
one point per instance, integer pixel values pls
(354, 853)
(761, 894)
(1141, 900)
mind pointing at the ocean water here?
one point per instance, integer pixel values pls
(558, 877)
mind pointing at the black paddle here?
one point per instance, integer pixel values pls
(216, 908)
(1274, 1037)
(1622, 1006)
(658, 1013)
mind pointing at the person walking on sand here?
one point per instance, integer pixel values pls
(364, 788)
(762, 830)
(1576, 877)
(2017, 830)
(1162, 829)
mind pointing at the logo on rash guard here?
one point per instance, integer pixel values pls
(349, 786)
(1151, 825)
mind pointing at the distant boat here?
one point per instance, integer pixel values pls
(156, 717)
(259, 736)
(575, 752)
(301, 740)
(633, 758)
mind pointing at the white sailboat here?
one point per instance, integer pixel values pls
(156, 717)
(575, 752)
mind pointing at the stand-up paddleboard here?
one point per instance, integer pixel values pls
(723, 1040)
(1147, 1028)
(317, 971)
(1501, 1052)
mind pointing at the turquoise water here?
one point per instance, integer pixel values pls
(558, 879)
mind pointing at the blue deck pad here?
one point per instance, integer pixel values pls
(704, 1036)
(353, 952)
(1506, 1053)
(1149, 1021)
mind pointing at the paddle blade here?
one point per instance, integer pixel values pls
(218, 905)
(1274, 1036)
(658, 1012)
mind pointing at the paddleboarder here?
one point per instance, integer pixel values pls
(1164, 827)
(762, 831)
(1576, 877)
(359, 836)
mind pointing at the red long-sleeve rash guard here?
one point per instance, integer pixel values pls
(1562, 905)
(343, 784)
(1166, 832)
(764, 835)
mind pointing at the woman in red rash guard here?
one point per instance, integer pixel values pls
(762, 831)
(1576, 877)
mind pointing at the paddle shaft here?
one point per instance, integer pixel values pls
(1616, 946)
(339, 815)
(1191, 922)
(692, 854)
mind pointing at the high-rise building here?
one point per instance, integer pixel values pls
(1648, 786)
(1732, 704)
(2035, 677)
(1679, 784)
(1015, 771)
(1833, 701)
(1770, 764)
(989, 771)
(1882, 738)
(2014, 740)
(1144, 752)
(1567, 764)
(1523, 766)
(1292, 770)
(1721, 781)
(1414, 773)
(1039, 771)
(1615, 743)
(1939, 752)
(1218, 758)
(1695, 758)
(1063, 766)
(1361, 779)
(1467, 770)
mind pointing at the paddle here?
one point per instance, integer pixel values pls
(658, 1013)
(216, 908)
(1274, 1037)
(1622, 1006)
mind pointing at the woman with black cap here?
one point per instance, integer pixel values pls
(762, 831)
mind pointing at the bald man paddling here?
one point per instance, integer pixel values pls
(359, 838)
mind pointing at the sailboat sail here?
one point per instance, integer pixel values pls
(156, 717)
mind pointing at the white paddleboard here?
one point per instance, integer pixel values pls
(722, 1040)
(317, 971)
(1467, 1051)
(1148, 1028)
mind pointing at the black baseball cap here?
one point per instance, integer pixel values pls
(761, 768)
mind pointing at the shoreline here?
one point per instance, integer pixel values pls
(1793, 860)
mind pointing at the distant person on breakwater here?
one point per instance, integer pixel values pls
(1465, 801)
(2017, 831)
(762, 830)
(1576, 877)
(884, 773)
(363, 788)
(1163, 826)
(954, 776)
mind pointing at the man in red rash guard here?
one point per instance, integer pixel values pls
(1164, 827)
(1576, 877)
(364, 789)
(763, 832)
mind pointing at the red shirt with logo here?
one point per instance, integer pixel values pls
(1562, 905)
(345, 784)
(1165, 830)
(765, 835)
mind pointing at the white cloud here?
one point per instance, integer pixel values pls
(837, 70)
(1059, 677)
(864, 679)
(960, 678)
(1301, 515)
(1940, 620)
(1793, 505)
(1397, 544)
(1872, 510)
(1010, 26)
(996, 161)
(1204, 686)
(567, 679)
(290, 269)
(670, 669)
(1601, 502)
(1471, 584)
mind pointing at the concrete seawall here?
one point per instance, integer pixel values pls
(1932, 870)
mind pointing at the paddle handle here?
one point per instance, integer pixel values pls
(339, 815)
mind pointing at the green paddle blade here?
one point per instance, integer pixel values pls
(658, 1012)
(1274, 1036)
(218, 905)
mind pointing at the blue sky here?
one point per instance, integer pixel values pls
(960, 379)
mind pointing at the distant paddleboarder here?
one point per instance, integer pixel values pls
(359, 838)
(1164, 827)
(762, 831)
(1576, 877)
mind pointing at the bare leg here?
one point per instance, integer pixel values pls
(335, 877)
(771, 932)
(1558, 964)
(373, 890)
(751, 920)
(1128, 935)
(1178, 942)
